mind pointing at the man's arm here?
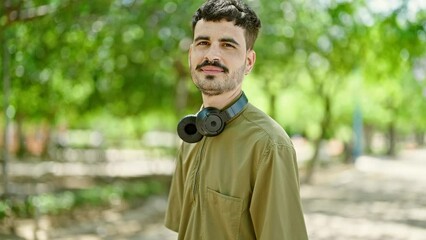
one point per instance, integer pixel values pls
(276, 209)
(174, 208)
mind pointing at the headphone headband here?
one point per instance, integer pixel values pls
(236, 108)
(209, 121)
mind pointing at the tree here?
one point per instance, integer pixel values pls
(396, 45)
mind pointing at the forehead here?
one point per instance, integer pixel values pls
(220, 29)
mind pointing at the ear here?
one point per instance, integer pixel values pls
(251, 59)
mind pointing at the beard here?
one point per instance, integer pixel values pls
(213, 85)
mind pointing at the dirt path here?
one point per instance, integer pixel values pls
(377, 199)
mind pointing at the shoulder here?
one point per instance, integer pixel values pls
(273, 144)
(262, 124)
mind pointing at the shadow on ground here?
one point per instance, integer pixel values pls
(375, 199)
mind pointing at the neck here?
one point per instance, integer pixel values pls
(221, 100)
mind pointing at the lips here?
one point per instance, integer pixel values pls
(212, 67)
(212, 70)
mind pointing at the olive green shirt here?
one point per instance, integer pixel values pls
(242, 184)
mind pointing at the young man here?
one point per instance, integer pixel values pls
(236, 173)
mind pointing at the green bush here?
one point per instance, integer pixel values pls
(55, 203)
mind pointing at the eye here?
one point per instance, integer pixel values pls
(228, 45)
(202, 43)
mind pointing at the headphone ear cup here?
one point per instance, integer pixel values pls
(209, 122)
(187, 129)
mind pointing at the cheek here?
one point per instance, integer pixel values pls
(237, 62)
(194, 59)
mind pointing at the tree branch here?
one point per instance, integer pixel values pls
(16, 14)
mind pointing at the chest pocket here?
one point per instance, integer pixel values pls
(222, 216)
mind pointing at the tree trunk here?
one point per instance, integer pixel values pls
(391, 139)
(420, 138)
(368, 138)
(311, 164)
(22, 146)
(325, 123)
(348, 153)
(272, 105)
(6, 88)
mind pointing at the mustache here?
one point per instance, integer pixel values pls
(212, 63)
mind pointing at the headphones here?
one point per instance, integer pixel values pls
(209, 121)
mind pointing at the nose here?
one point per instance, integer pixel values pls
(213, 53)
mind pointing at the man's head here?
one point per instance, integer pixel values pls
(222, 49)
(232, 11)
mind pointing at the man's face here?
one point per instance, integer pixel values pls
(218, 57)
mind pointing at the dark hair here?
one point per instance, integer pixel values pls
(233, 11)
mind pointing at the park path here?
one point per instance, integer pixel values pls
(375, 199)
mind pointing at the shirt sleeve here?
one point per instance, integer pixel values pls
(174, 208)
(276, 208)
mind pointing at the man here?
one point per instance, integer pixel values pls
(238, 177)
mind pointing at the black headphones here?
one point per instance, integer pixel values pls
(209, 121)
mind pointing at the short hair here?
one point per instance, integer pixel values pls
(233, 11)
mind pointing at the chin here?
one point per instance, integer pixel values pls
(210, 77)
(211, 92)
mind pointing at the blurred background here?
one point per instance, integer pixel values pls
(92, 91)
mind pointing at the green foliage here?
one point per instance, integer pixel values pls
(62, 202)
(107, 63)
(312, 52)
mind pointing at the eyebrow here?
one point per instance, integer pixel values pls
(199, 38)
(230, 40)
